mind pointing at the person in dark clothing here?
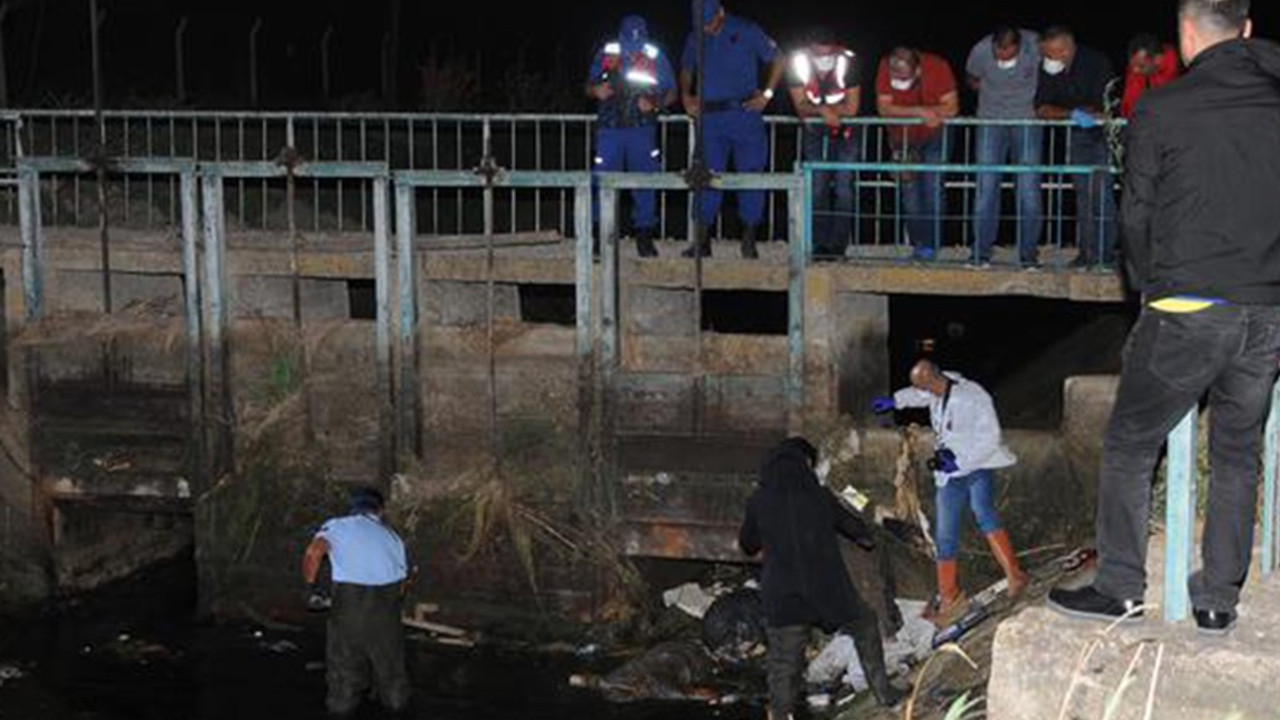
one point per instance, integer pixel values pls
(794, 521)
(1073, 86)
(364, 636)
(1202, 244)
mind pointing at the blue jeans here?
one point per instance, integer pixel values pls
(1095, 201)
(634, 149)
(1001, 145)
(831, 221)
(740, 135)
(977, 489)
(923, 204)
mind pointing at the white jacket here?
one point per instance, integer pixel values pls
(965, 423)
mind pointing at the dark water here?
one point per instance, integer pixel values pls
(133, 652)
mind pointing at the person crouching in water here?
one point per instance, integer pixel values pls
(793, 520)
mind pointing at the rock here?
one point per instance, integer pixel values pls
(678, 670)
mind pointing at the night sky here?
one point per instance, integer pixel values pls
(555, 39)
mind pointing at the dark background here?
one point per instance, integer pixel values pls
(531, 56)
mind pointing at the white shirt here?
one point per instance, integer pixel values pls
(965, 423)
(364, 551)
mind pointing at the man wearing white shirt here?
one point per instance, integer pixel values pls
(364, 635)
(968, 447)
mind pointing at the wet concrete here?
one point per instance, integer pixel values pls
(133, 651)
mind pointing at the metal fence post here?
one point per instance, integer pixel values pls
(584, 267)
(408, 441)
(180, 59)
(800, 201)
(609, 331)
(32, 242)
(1180, 517)
(191, 291)
(382, 332)
(218, 378)
(1271, 499)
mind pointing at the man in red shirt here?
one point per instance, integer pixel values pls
(1151, 64)
(915, 84)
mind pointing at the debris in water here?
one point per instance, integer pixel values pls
(10, 672)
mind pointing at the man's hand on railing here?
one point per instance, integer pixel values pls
(1084, 118)
(830, 116)
(602, 91)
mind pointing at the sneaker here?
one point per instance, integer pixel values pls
(1215, 622)
(1089, 604)
(979, 264)
(1034, 266)
(923, 255)
(645, 246)
(698, 249)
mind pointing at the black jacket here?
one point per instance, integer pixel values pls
(1201, 208)
(794, 520)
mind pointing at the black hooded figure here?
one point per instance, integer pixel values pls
(793, 519)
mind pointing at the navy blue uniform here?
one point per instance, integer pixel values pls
(627, 138)
(732, 75)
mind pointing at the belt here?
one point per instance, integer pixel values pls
(712, 106)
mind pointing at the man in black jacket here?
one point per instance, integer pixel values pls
(794, 521)
(1201, 225)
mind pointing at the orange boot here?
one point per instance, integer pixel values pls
(951, 600)
(1008, 559)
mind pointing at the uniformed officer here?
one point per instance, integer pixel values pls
(364, 635)
(732, 99)
(632, 81)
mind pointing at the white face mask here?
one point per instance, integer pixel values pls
(902, 85)
(1007, 64)
(1054, 67)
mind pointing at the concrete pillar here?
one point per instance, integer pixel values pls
(861, 350)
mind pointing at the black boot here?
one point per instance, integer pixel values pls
(644, 243)
(866, 638)
(701, 246)
(749, 243)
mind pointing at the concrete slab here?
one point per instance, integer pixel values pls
(1046, 666)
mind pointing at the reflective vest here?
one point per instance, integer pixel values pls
(823, 71)
(639, 68)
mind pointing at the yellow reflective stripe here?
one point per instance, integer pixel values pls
(1182, 305)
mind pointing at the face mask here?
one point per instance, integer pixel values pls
(902, 85)
(1054, 67)
(1007, 64)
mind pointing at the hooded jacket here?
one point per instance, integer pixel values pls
(1201, 207)
(965, 423)
(794, 520)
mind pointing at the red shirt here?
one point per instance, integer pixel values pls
(936, 81)
(1135, 83)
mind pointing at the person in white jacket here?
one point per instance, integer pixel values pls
(968, 448)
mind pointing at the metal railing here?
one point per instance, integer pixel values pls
(438, 142)
(1182, 495)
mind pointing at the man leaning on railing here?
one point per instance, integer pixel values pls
(1073, 86)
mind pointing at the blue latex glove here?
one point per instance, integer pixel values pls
(945, 461)
(882, 405)
(1083, 118)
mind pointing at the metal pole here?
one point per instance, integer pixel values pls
(180, 59)
(406, 231)
(4, 65)
(702, 233)
(191, 278)
(1180, 520)
(95, 21)
(325, 41)
(382, 332)
(1270, 511)
(253, 62)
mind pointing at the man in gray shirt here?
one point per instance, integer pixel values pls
(1004, 69)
